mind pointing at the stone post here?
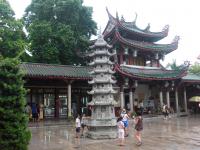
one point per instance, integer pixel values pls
(176, 97)
(69, 100)
(161, 99)
(168, 99)
(185, 100)
(131, 99)
(122, 98)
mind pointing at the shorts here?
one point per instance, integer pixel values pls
(35, 115)
(138, 128)
(78, 129)
(121, 133)
(125, 124)
(83, 125)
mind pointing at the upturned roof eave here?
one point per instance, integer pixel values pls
(144, 33)
(140, 77)
(117, 37)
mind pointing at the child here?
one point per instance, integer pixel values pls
(78, 126)
(125, 118)
(83, 124)
(120, 126)
(138, 127)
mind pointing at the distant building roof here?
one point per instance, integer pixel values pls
(150, 73)
(190, 77)
(55, 71)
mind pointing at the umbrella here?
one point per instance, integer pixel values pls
(195, 99)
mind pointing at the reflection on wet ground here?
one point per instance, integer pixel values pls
(175, 134)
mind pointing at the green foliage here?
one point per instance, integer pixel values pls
(173, 65)
(12, 37)
(14, 134)
(57, 28)
(195, 68)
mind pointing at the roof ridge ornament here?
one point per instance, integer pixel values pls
(166, 28)
(176, 39)
(111, 18)
(148, 27)
(134, 22)
(122, 18)
(117, 17)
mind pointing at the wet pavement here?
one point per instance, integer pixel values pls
(181, 133)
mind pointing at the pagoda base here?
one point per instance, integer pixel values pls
(102, 128)
(102, 132)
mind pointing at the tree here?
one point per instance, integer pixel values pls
(195, 68)
(14, 133)
(57, 28)
(12, 37)
(173, 65)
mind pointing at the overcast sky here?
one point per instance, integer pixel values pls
(182, 16)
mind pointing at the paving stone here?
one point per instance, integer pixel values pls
(181, 133)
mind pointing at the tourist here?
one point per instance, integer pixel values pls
(38, 112)
(165, 111)
(122, 112)
(83, 124)
(28, 111)
(120, 126)
(138, 127)
(34, 113)
(125, 118)
(78, 126)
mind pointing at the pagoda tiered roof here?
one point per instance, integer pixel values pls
(145, 46)
(102, 71)
(150, 73)
(131, 28)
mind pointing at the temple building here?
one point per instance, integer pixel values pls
(142, 81)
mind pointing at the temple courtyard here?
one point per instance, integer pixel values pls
(181, 133)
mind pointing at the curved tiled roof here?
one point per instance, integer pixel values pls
(55, 71)
(133, 29)
(167, 48)
(190, 77)
(150, 73)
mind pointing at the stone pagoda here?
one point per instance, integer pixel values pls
(102, 124)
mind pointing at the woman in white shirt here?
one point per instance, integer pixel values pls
(78, 126)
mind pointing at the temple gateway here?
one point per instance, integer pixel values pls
(134, 74)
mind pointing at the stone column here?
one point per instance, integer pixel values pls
(122, 97)
(69, 100)
(176, 97)
(185, 100)
(168, 100)
(161, 99)
(131, 99)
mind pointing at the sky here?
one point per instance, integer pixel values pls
(182, 16)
